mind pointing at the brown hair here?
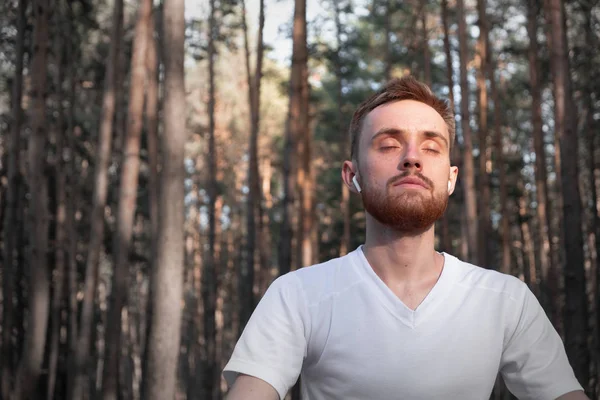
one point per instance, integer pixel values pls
(406, 88)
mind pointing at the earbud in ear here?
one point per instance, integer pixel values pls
(356, 185)
(449, 185)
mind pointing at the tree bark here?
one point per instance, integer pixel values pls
(127, 201)
(39, 290)
(445, 231)
(468, 164)
(293, 134)
(549, 284)
(209, 284)
(482, 59)
(575, 313)
(82, 363)
(12, 208)
(425, 44)
(60, 215)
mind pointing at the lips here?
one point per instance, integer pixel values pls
(411, 180)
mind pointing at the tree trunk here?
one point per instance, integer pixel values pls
(12, 209)
(504, 209)
(387, 51)
(111, 86)
(293, 134)
(127, 201)
(469, 170)
(39, 290)
(345, 243)
(445, 234)
(209, 286)
(266, 238)
(549, 286)
(425, 44)
(484, 187)
(524, 219)
(576, 314)
(61, 216)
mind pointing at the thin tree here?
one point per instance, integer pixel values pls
(30, 367)
(425, 44)
(167, 275)
(576, 314)
(445, 231)
(60, 258)
(482, 57)
(12, 207)
(82, 363)
(127, 201)
(547, 264)
(294, 129)
(209, 290)
(468, 164)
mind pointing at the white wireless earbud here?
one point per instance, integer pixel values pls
(449, 185)
(356, 185)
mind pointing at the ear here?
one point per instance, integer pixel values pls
(452, 179)
(348, 172)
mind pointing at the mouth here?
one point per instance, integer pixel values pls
(411, 182)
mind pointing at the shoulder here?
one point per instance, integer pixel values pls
(320, 281)
(487, 282)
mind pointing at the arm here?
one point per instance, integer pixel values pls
(576, 395)
(247, 387)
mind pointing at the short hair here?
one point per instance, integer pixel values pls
(405, 88)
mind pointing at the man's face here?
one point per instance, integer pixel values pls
(404, 165)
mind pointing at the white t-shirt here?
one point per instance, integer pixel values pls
(350, 337)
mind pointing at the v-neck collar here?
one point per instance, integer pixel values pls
(434, 298)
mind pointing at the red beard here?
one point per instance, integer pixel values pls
(410, 211)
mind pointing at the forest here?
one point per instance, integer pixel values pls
(163, 161)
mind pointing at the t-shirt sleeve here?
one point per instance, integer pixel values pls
(273, 344)
(534, 363)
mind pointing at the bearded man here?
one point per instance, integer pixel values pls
(395, 319)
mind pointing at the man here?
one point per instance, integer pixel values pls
(395, 319)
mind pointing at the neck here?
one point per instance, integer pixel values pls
(401, 257)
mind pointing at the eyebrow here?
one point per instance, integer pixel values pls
(397, 132)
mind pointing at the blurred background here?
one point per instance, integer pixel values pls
(161, 163)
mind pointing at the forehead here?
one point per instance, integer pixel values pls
(407, 115)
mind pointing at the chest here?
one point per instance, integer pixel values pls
(369, 351)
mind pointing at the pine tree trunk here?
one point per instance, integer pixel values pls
(12, 210)
(468, 164)
(266, 238)
(576, 314)
(293, 134)
(425, 44)
(39, 290)
(482, 58)
(83, 367)
(61, 216)
(209, 284)
(549, 284)
(504, 209)
(445, 231)
(127, 201)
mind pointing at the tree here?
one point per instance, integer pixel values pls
(12, 208)
(576, 315)
(30, 367)
(469, 171)
(127, 200)
(167, 277)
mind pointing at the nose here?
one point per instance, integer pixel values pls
(411, 159)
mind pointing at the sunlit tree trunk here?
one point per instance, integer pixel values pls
(575, 313)
(30, 367)
(12, 209)
(294, 131)
(167, 275)
(549, 287)
(529, 271)
(83, 367)
(468, 164)
(482, 59)
(127, 201)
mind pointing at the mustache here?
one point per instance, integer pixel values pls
(403, 175)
